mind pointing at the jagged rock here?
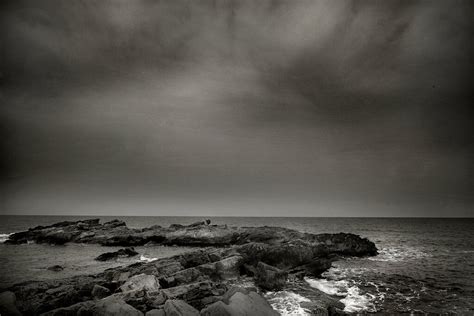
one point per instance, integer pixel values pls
(241, 302)
(189, 275)
(59, 237)
(126, 252)
(141, 282)
(99, 292)
(269, 277)
(194, 293)
(114, 223)
(179, 308)
(114, 233)
(227, 268)
(56, 268)
(8, 304)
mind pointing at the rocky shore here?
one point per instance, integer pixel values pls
(226, 275)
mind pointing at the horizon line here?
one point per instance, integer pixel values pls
(234, 216)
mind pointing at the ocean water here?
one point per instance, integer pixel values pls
(425, 265)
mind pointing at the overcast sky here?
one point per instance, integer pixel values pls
(262, 108)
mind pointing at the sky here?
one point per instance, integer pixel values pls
(237, 108)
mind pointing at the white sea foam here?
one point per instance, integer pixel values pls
(287, 303)
(334, 283)
(357, 302)
(146, 259)
(396, 254)
(331, 287)
(4, 237)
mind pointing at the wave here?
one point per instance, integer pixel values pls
(335, 283)
(353, 299)
(4, 237)
(397, 254)
(287, 303)
(146, 259)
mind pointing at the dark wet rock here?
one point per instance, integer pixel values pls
(8, 304)
(126, 252)
(270, 278)
(141, 282)
(334, 311)
(99, 292)
(227, 268)
(179, 308)
(56, 268)
(114, 223)
(59, 237)
(189, 275)
(240, 302)
(115, 233)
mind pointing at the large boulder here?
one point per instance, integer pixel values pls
(270, 278)
(240, 303)
(179, 308)
(141, 282)
(189, 275)
(227, 268)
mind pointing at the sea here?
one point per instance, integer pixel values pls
(424, 265)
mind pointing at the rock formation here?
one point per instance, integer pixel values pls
(201, 281)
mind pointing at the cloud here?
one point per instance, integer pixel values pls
(229, 99)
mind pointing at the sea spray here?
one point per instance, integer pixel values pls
(287, 303)
(146, 259)
(4, 237)
(352, 297)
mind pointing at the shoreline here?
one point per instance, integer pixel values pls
(274, 258)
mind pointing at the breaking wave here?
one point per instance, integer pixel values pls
(4, 237)
(287, 303)
(146, 259)
(353, 298)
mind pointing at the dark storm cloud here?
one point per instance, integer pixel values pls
(326, 107)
